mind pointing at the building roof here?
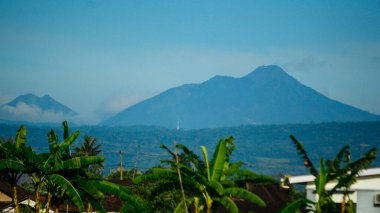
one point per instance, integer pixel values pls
(274, 196)
(304, 179)
(5, 188)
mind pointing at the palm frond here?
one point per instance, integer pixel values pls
(93, 196)
(168, 150)
(296, 205)
(106, 187)
(90, 191)
(229, 204)
(69, 140)
(205, 155)
(246, 195)
(161, 186)
(304, 155)
(218, 160)
(9, 164)
(215, 185)
(53, 141)
(198, 163)
(180, 208)
(65, 130)
(156, 174)
(248, 175)
(68, 188)
(81, 162)
(348, 174)
(21, 137)
(233, 168)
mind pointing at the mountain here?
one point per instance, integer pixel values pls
(268, 95)
(31, 108)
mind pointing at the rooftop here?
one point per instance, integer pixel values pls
(304, 179)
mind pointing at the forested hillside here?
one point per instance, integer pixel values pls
(264, 148)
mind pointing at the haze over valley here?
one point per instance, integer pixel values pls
(141, 73)
(100, 58)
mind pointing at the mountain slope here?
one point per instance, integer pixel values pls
(32, 108)
(268, 95)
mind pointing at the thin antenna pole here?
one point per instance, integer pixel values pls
(137, 159)
(121, 165)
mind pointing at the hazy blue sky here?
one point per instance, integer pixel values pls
(99, 57)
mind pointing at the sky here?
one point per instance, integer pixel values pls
(100, 56)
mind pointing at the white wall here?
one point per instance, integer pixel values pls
(365, 202)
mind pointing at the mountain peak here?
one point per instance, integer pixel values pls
(47, 98)
(30, 107)
(268, 95)
(267, 72)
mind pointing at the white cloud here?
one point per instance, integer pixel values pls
(121, 102)
(118, 79)
(31, 113)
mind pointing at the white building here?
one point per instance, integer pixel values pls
(365, 193)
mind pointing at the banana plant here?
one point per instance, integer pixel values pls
(207, 183)
(55, 171)
(219, 170)
(12, 161)
(341, 170)
(94, 191)
(61, 175)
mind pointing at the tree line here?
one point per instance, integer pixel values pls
(185, 182)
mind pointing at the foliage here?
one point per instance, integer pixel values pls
(13, 161)
(89, 147)
(341, 169)
(62, 176)
(258, 144)
(209, 181)
(298, 204)
(208, 184)
(129, 174)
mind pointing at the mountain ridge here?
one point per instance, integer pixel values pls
(267, 95)
(29, 108)
(46, 102)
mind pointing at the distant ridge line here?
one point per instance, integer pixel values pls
(267, 95)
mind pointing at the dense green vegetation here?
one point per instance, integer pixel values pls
(208, 183)
(58, 175)
(342, 170)
(266, 148)
(183, 182)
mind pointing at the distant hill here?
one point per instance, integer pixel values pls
(268, 95)
(263, 148)
(30, 108)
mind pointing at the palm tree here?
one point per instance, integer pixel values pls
(205, 182)
(89, 147)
